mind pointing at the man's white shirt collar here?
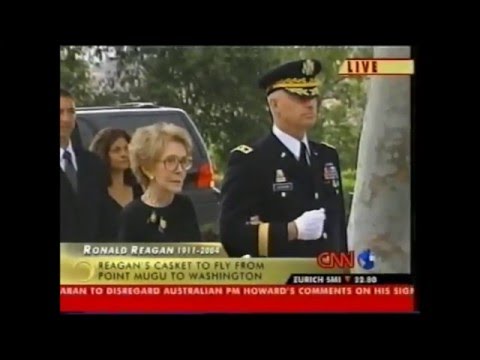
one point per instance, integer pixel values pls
(290, 142)
(74, 159)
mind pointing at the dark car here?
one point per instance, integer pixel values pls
(199, 184)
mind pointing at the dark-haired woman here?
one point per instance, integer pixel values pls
(111, 145)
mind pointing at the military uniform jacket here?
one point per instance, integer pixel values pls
(267, 184)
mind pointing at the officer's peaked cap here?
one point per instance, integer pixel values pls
(297, 77)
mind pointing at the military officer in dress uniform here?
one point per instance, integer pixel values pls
(282, 195)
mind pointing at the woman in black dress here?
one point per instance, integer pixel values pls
(111, 145)
(160, 156)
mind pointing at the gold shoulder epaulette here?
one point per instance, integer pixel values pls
(328, 145)
(243, 148)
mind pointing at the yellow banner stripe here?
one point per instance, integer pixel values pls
(377, 67)
(263, 239)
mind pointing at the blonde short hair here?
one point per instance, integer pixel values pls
(148, 143)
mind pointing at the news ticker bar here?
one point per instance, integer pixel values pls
(237, 299)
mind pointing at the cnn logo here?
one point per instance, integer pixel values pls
(329, 260)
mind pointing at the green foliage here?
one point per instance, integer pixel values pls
(75, 73)
(343, 103)
(217, 86)
(348, 182)
(348, 179)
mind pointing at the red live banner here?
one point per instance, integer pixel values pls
(236, 299)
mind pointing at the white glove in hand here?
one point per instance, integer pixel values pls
(310, 224)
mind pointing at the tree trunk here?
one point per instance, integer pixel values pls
(380, 215)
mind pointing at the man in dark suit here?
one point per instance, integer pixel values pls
(282, 196)
(83, 186)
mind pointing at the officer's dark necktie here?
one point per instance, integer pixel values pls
(70, 169)
(304, 154)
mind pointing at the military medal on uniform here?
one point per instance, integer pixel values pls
(281, 185)
(330, 173)
(280, 177)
